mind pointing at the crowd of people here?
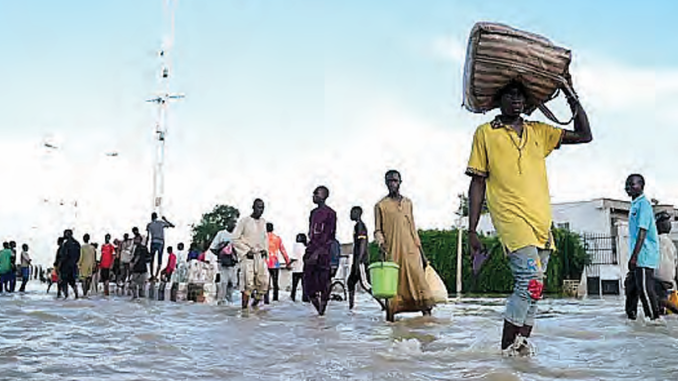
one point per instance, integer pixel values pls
(124, 261)
(507, 167)
(10, 271)
(249, 256)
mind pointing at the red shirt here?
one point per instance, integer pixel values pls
(172, 263)
(107, 252)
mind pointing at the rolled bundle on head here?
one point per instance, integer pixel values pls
(499, 54)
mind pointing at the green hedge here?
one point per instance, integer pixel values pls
(440, 247)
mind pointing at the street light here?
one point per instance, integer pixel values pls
(460, 214)
(165, 96)
(51, 147)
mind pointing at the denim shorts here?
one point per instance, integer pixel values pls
(528, 266)
(6, 277)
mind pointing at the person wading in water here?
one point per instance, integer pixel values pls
(359, 273)
(275, 249)
(644, 240)
(508, 164)
(317, 269)
(251, 245)
(68, 263)
(397, 237)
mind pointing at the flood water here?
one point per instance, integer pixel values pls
(116, 339)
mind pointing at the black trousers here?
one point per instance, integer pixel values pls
(12, 280)
(359, 274)
(639, 284)
(275, 274)
(296, 279)
(174, 291)
(64, 286)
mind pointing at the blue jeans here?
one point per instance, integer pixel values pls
(528, 266)
(157, 247)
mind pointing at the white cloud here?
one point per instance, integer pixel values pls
(613, 86)
(114, 194)
(450, 48)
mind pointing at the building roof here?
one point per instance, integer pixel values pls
(620, 205)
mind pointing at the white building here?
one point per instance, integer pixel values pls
(603, 223)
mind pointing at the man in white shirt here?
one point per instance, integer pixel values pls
(297, 259)
(179, 274)
(25, 267)
(251, 245)
(126, 255)
(222, 248)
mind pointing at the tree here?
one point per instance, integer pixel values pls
(464, 205)
(211, 223)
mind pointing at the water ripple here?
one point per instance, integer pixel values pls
(116, 339)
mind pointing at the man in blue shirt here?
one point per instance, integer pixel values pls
(644, 242)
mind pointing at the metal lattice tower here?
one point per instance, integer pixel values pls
(163, 99)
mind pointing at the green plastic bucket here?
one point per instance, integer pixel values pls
(384, 277)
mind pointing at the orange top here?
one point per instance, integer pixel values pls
(275, 247)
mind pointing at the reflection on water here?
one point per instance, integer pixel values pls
(116, 339)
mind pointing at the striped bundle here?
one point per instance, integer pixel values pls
(498, 54)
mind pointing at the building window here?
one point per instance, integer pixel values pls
(563, 225)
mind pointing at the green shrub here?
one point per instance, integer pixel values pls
(440, 247)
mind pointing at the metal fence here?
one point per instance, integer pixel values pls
(601, 248)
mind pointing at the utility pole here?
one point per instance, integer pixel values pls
(164, 97)
(459, 245)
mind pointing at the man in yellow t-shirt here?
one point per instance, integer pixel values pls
(507, 164)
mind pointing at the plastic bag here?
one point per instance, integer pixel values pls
(673, 299)
(437, 286)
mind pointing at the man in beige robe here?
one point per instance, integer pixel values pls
(396, 235)
(251, 246)
(86, 264)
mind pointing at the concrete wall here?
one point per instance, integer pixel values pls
(583, 217)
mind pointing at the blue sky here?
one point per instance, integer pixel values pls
(282, 96)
